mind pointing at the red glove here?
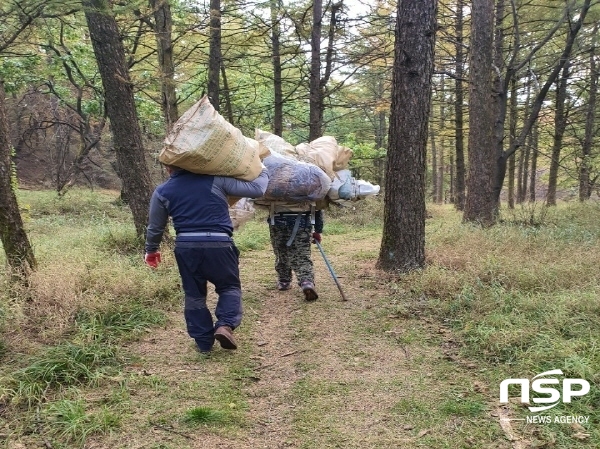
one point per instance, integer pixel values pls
(152, 259)
(316, 237)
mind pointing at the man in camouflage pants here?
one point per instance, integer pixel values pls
(291, 236)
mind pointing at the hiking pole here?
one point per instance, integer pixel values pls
(331, 270)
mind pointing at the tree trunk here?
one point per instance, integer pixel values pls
(17, 248)
(459, 195)
(480, 202)
(439, 173)
(163, 25)
(534, 156)
(381, 130)
(214, 57)
(403, 243)
(381, 124)
(511, 182)
(525, 172)
(500, 87)
(315, 100)
(452, 181)
(585, 187)
(228, 105)
(560, 124)
(434, 167)
(277, 72)
(520, 187)
(120, 105)
(318, 84)
(526, 150)
(512, 126)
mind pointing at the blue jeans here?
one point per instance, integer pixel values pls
(217, 263)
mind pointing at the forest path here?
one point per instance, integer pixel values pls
(362, 373)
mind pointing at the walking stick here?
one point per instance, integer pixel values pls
(331, 271)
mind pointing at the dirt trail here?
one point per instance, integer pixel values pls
(320, 368)
(278, 351)
(327, 374)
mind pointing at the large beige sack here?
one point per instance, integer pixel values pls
(323, 152)
(275, 143)
(327, 154)
(202, 141)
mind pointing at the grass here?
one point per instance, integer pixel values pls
(71, 422)
(253, 236)
(93, 351)
(120, 322)
(204, 415)
(59, 366)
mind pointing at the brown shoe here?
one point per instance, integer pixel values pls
(308, 288)
(224, 335)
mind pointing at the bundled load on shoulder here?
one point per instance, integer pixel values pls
(202, 141)
(334, 182)
(304, 177)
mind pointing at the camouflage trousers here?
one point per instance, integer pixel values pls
(295, 257)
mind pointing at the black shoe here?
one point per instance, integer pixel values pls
(224, 335)
(201, 347)
(283, 285)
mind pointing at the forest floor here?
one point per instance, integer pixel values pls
(408, 361)
(360, 373)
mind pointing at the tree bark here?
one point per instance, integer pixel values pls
(500, 85)
(277, 72)
(560, 124)
(480, 202)
(512, 126)
(120, 106)
(17, 248)
(452, 181)
(214, 58)
(163, 25)
(226, 92)
(403, 243)
(315, 101)
(526, 152)
(585, 186)
(526, 149)
(434, 157)
(459, 198)
(439, 173)
(534, 157)
(318, 84)
(380, 129)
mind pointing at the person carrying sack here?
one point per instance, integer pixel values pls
(204, 249)
(291, 236)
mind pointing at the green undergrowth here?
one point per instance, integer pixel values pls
(523, 300)
(511, 301)
(73, 421)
